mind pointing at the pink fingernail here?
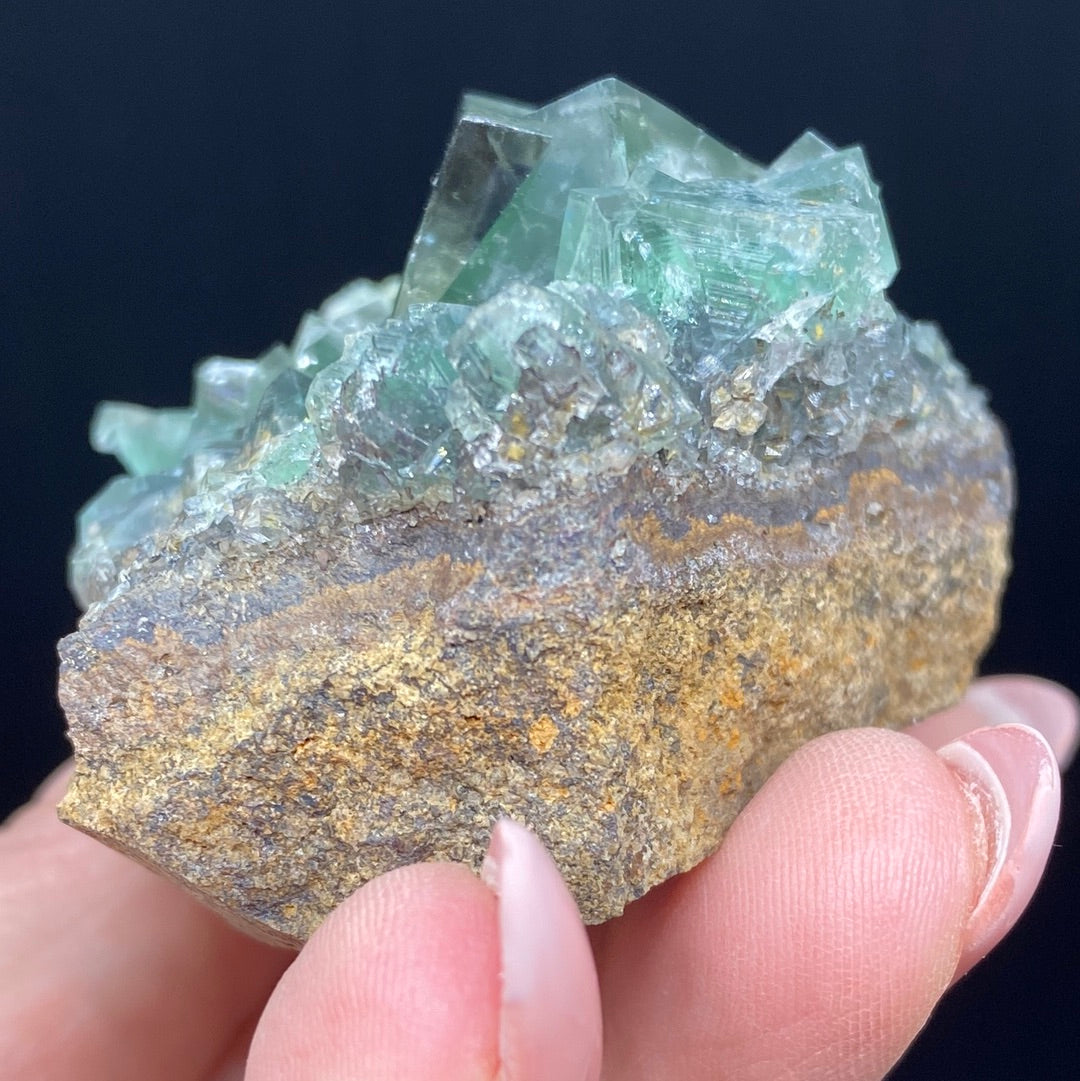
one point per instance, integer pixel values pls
(1011, 777)
(550, 1020)
(1047, 707)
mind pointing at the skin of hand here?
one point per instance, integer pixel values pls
(868, 874)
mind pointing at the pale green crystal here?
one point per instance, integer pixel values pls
(594, 283)
(739, 254)
(247, 429)
(145, 441)
(127, 510)
(380, 410)
(287, 457)
(596, 137)
(493, 148)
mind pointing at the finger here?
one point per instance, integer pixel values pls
(550, 1026)
(1010, 775)
(1044, 706)
(400, 982)
(107, 971)
(403, 981)
(816, 941)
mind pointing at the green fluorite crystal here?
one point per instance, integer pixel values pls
(593, 282)
(596, 137)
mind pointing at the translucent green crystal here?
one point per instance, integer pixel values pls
(493, 149)
(286, 458)
(127, 510)
(595, 137)
(247, 429)
(595, 282)
(736, 253)
(144, 441)
(381, 408)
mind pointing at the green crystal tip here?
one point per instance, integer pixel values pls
(594, 282)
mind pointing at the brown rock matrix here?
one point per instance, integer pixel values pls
(621, 674)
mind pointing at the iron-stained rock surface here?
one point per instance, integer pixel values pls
(621, 674)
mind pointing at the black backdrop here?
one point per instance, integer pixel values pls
(178, 179)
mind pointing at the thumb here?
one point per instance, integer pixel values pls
(818, 938)
(429, 973)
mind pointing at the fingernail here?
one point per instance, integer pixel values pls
(1047, 707)
(549, 1028)
(1011, 778)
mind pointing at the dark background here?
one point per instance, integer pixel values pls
(182, 179)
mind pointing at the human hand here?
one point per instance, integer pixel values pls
(865, 877)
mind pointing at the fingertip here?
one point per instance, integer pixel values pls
(1010, 776)
(430, 972)
(1041, 704)
(1006, 741)
(550, 1027)
(45, 797)
(400, 982)
(1048, 707)
(830, 919)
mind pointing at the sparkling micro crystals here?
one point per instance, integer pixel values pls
(633, 481)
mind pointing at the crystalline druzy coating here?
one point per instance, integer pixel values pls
(633, 481)
(593, 281)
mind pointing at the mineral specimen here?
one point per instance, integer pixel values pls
(633, 481)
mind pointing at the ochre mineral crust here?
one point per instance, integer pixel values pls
(530, 537)
(299, 727)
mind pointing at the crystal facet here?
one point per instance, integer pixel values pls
(633, 481)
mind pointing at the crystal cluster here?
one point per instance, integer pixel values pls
(593, 282)
(633, 482)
